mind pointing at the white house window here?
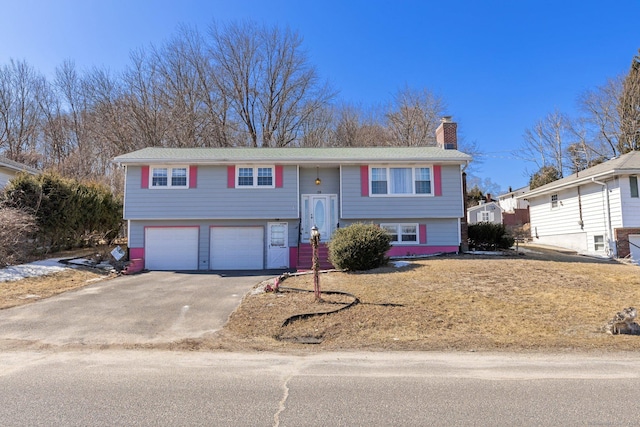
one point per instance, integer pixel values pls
(397, 181)
(402, 233)
(251, 177)
(169, 177)
(485, 216)
(554, 201)
(598, 243)
(633, 184)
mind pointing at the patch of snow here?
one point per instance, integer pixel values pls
(32, 269)
(400, 264)
(485, 253)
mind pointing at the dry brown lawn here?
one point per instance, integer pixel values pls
(543, 301)
(32, 289)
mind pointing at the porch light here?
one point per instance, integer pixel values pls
(318, 180)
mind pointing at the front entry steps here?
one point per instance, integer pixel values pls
(305, 257)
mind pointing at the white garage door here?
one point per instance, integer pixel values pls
(171, 248)
(237, 248)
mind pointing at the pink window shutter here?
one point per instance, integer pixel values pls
(437, 180)
(193, 176)
(144, 182)
(364, 181)
(231, 177)
(279, 177)
(423, 233)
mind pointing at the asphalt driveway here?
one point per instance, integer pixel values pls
(149, 308)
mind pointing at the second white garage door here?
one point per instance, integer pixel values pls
(237, 248)
(171, 248)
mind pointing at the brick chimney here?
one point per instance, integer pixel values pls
(446, 134)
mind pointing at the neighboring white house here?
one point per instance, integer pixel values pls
(9, 169)
(596, 211)
(484, 212)
(509, 202)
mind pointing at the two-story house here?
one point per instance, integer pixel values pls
(253, 208)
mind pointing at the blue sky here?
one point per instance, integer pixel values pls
(499, 65)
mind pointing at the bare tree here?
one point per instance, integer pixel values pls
(545, 144)
(414, 116)
(629, 109)
(20, 89)
(601, 120)
(266, 77)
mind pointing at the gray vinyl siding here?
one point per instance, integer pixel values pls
(449, 205)
(136, 233)
(211, 199)
(329, 177)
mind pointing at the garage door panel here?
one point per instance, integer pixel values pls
(237, 248)
(171, 248)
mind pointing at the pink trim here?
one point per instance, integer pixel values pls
(279, 177)
(136, 253)
(231, 177)
(423, 233)
(437, 180)
(293, 257)
(400, 251)
(193, 176)
(364, 181)
(144, 182)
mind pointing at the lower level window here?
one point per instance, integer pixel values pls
(402, 233)
(598, 243)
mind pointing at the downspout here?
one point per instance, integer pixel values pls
(462, 222)
(610, 251)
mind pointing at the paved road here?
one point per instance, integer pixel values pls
(153, 307)
(334, 389)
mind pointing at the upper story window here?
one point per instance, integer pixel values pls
(400, 181)
(633, 184)
(402, 233)
(169, 177)
(554, 201)
(258, 176)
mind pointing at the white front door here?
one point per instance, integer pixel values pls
(278, 247)
(319, 210)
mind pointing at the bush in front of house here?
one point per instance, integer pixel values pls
(359, 247)
(68, 213)
(485, 236)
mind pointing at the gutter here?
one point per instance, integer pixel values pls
(577, 182)
(611, 251)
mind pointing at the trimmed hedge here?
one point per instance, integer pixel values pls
(359, 247)
(68, 213)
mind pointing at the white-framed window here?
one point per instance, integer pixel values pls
(485, 216)
(633, 186)
(598, 243)
(255, 177)
(169, 177)
(400, 181)
(402, 234)
(554, 201)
